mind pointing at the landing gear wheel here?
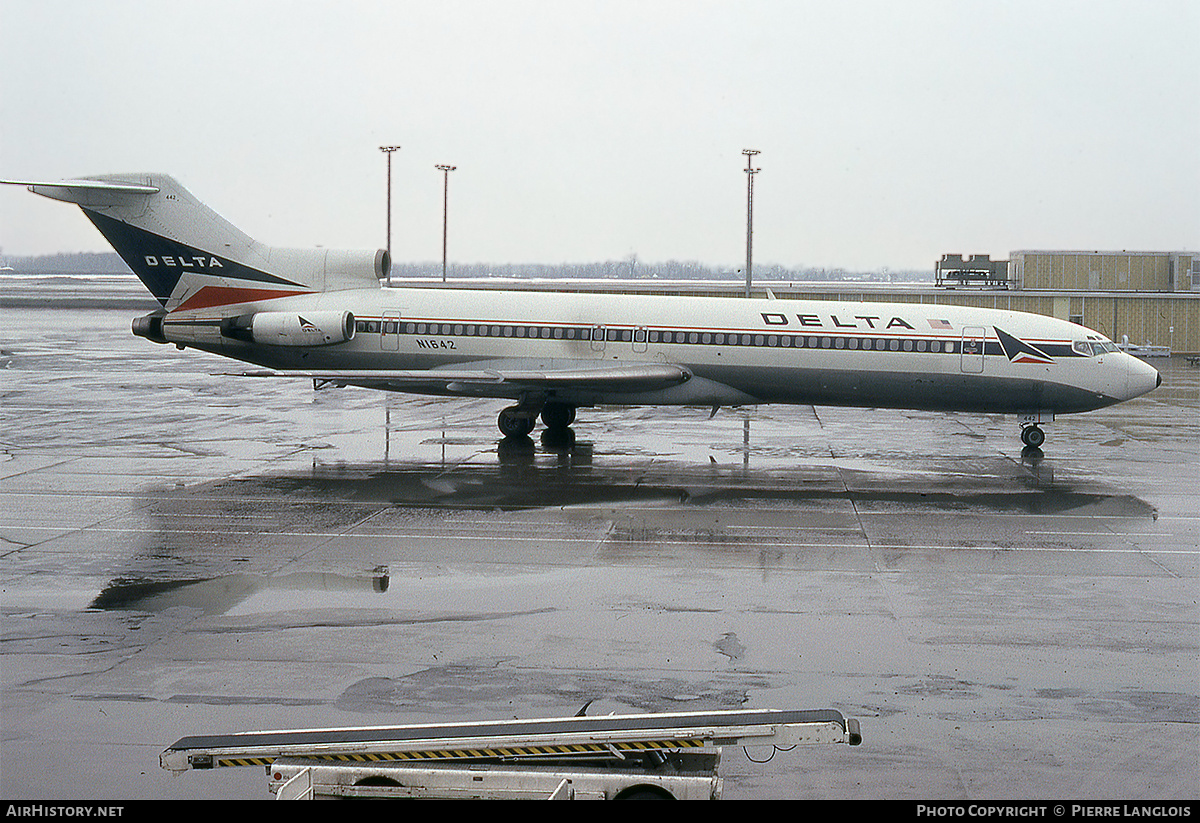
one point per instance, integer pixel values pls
(1033, 437)
(558, 416)
(512, 425)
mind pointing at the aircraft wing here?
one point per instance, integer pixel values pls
(501, 380)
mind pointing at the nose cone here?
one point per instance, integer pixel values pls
(1140, 377)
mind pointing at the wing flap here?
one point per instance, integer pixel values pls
(634, 377)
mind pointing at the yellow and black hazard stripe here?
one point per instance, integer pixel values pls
(244, 761)
(478, 754)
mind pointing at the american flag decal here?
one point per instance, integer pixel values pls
(940, 324)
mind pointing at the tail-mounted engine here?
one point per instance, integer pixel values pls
(277, 328)
(329, 269)
(150, 326)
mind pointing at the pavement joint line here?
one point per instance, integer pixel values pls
(293, 504)
(657, 541)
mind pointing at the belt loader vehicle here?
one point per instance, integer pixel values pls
(616, 757)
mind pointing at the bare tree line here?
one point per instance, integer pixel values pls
(629, 267)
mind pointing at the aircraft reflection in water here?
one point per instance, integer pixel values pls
(216, 595)
(321, 314)
(608, 514)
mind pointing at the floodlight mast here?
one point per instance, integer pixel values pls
(387, 150)
(750, 172)
(445, 169)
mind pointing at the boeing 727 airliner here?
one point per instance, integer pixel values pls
(323, 315)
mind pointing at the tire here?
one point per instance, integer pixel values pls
(644, 793)
(558, 416)
(513, 426)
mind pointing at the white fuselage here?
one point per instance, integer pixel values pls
(319, 314)
(738, 351)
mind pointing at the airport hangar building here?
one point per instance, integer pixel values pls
(1148, 297)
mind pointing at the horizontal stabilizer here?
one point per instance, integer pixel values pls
(94, 194)
(45, 188)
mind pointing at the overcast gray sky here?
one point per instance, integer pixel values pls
(890, 132)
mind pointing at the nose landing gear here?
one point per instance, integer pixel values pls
(1033, 436)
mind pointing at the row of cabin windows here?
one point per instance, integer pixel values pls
(796, 341)
(801, 341)
(478, 330)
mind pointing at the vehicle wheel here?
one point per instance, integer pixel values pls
(558, 415)
(644, 793)
(1033, 436)
(513, 426)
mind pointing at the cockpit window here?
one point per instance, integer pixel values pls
(1089, 348)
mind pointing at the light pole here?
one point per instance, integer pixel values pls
(387, 150)
(750, 172)
(445, 206)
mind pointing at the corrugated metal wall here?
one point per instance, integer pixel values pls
(1101, 271)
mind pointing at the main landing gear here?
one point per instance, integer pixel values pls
(518, 421)
(558, 416)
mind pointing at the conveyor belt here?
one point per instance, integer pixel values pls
(564, 737)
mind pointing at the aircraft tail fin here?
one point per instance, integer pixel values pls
(190, 257)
